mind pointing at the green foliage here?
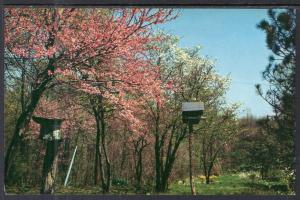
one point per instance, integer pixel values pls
(252, 177)
(276, 175)
(280, 32)
(256, 147)
(119, 182)
(12, 109)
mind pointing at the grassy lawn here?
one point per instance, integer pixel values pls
(232, 185)
(223, 185)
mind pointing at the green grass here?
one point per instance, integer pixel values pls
(230, 185)
(224, 185)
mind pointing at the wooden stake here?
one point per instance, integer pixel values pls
(193, 190)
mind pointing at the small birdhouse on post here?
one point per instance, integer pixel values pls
(191, 114)
(49, 132)
(50, 128)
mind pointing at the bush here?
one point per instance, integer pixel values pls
(280, 187)
(213, 178)
(202, 178)
(119, 182)
(276, 175)
(252, 177)
(180, 182)
(291, 180)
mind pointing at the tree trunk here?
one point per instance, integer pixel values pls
(101, 148)
(139, 170)
(207, 181)
(96, 178)
(157, 165)
(25, 116)
(50, 167)
(107, 184)
(21, 125)
(168, 168)
(164, 167)
(165, 178)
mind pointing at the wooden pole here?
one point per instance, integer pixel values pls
(50, 167)
(193, 190)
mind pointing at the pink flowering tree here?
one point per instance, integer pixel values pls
(138, 136)
(88, 49)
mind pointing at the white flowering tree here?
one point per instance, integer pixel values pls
(185, 76)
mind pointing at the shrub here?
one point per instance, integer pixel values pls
(280, 187)
(252, 177)
(119, 182)
(213, 178)
(180, 182)
(276, 175)
(202, 178)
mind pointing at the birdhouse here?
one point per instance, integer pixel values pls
(50, 128)
(192, 111)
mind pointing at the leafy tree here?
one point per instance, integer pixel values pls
(216, 132)
(185, 75)
(280, 32)
(70, 45)
(256, 148)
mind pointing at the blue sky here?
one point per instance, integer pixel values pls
(231, 38)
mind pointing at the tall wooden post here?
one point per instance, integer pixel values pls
(49, 132)
(191, 114)
(49, 167)
(193, 190)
